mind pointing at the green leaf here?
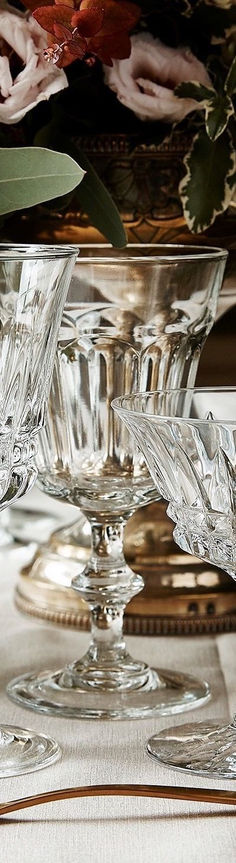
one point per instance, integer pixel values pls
(218, 106)
(230, 83)
(32, 175)
(194, 90)
(205, 190)
(93, 198)
(218, 112)
(97, 202)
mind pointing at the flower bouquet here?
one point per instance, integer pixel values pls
(82, 68)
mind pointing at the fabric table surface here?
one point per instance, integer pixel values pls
(100, 830)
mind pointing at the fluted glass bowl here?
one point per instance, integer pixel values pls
(34, 281)
(134, 319)
(188, 439)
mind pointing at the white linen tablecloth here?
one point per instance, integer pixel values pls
(120, 830)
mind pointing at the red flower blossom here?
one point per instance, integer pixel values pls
(85, 29)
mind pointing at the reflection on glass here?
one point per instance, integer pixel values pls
(188, 438)
(134, 319)
(33, 285)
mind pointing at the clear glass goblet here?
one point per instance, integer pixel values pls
(34, 281)
(133, 320)
(188, 438)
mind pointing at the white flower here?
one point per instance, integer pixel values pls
(21, 38)
(146, 80)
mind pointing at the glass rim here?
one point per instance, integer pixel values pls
(117, 404)
(36, 251)
(191, 252)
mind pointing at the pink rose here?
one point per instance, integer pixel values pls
(146, 80)
(25, 77)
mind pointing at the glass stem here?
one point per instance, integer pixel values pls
(106, 632)
(107, 583)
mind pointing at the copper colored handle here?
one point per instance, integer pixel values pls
(202, 795)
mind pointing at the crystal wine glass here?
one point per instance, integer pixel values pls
(188, 438)
(42, 587)
(33, 285)
(133, 320)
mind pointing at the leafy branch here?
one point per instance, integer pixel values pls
(208, 184)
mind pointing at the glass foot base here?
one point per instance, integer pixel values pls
(205, 748)
(23, 751)
(164, 692)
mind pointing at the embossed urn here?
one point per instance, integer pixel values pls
(143, 180)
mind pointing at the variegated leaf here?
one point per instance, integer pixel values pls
(205, 190)
(230, 84)
(218, 112)
(195, 90)
(218, 106)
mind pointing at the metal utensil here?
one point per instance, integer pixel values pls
(202, 795)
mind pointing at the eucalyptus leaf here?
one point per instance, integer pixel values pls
(93, 199)
(206, 189)
(230, 83)
(32, 175)
(97, 202)
(218, 112)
